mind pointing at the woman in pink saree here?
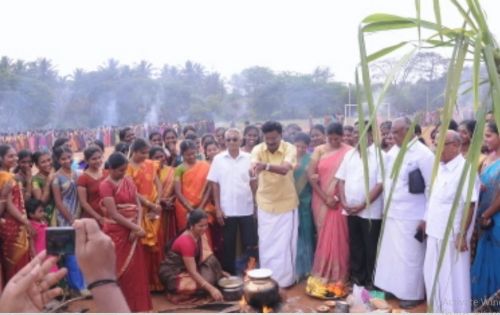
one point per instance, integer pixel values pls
(331, 259)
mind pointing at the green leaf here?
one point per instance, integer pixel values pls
(476, 66)
(385, 51)
(417, 8)
(437, 13)
(465, 15)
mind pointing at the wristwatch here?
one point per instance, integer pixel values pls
(268, 167)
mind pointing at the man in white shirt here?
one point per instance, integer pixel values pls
(364, 222)
(399, 266)
(453, 286)
(233, 196)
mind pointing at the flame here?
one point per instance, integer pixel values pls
(251, 264)
(243, 302)
(267, 309)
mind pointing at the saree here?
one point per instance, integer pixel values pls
(69, 196)
(169, 223)
(485, 274)
(179, 283)
(39, 182)
(193, 183)
(143, 177)
(14, 235)
(331, 260)
(305, 241)
(130, 261)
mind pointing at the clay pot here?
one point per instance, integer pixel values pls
(261, 290)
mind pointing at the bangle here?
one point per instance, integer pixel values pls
(268, 167)
(100, 283)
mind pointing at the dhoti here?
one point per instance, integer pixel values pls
(452, 293)
(278, 244)
(400, 262)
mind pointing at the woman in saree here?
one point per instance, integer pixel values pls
(251, 137)
(170, 141)
(16, 228)
(144, 173)
(466, 130)
(41, 184)
(23, 172)
(167, 196)
(331, 260)
(485, 274)
(123, 225)
(191, 187)
(305, 241)
(88, 185)
(190, 269)
(318, 136)
(65, 194)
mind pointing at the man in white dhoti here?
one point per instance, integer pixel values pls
(399, 267)
(452, 291)
(273, 161)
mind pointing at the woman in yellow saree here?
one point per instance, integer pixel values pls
(144, 173)
(167, 195)
(191, 187)
(16, 228)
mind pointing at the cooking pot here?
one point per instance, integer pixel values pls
(231, 288)
(261, 290)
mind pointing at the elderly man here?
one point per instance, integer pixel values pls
(364, 221)
(399, 267)
(452, 292)
(273, 161)
(233, 198)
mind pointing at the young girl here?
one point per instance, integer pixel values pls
(67, 210)
(211, 150)
(36, 215)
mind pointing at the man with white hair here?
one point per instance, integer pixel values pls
(453, 289)
(233, 198)
(399, 267)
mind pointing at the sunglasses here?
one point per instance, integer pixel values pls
(232, 140)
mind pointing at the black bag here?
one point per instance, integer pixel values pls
(416, 183)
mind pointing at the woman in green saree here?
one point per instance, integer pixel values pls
(306, 240)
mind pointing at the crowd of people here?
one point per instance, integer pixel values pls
(184, 208)
(43, 139)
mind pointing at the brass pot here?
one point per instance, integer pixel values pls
(261, 291)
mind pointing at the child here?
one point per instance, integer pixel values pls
(36, 215)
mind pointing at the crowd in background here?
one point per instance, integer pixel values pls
(187, 206)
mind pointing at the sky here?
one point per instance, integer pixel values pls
(226, 36)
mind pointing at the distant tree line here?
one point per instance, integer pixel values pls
(33, 95)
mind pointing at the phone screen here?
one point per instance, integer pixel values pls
(60, 240)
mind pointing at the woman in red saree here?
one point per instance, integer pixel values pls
(191, 186)
(190, 270)
(88, 185)
(16, 228)
(119, 197)
(144, 173)
(167, 196)
(331, 259)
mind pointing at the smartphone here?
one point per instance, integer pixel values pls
(60, 241)
(420, 236)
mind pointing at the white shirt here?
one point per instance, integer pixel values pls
(405, 205)
(443, 194)
(351, 171)
(232, 175)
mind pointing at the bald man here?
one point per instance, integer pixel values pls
(399, 267)
(453, 288)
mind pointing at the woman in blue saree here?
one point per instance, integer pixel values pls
(485, 274)
(305, 242)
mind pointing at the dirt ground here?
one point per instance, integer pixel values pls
(296, 302)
